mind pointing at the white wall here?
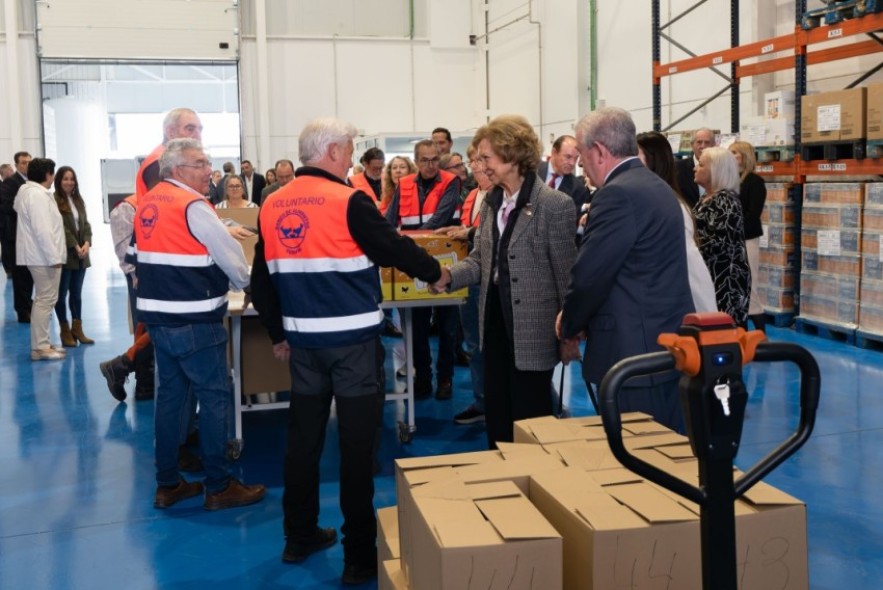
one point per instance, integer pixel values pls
(355, 59)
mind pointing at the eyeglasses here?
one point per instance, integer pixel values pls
(199, 164)
(428, 161)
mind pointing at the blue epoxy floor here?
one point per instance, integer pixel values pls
(76, 484)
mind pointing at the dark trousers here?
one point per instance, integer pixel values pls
(447, 340)
(71, 285)
(509, 393)
(661, 401)
(22, 289)
(350, 374)
(7, 254)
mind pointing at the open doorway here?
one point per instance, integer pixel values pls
(100, 117)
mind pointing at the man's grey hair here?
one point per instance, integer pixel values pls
(613, 128)
(321, 134)
(174, 155)
(172, 119)
(723, 168)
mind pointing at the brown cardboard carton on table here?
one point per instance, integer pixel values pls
(247, 218)
(448, 252)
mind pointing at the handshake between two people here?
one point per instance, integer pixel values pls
(441, 285)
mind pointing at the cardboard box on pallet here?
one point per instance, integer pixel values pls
(843, 193)
(780, 277)
(871, 295)
(633, 534)
(831, 242)
(833, 116)
(774, 212)
(448, 252)
(872, 267)
(874, 195)
(777, 255)
(875, 111)
(776, 300)
(838, 287)
(829, 310)
(845, 265)
(778, 105)
(871, 319)
(477, 536)
(831, 216)
(779, 192)
(777, 234)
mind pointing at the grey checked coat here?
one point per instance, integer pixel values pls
(541, 253)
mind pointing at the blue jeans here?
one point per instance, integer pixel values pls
(192, 358)
(469, 321)
(71, 283)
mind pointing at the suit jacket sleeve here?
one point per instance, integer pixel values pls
(610, 235)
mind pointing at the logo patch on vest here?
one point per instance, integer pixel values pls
(147, 219)
(291, 230)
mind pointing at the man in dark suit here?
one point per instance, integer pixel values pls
(702, 138)
(629, 283)
(284, 174)
(254, 181)
(22, 283)
(558, 171)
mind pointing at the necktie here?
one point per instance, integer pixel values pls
(554, 178)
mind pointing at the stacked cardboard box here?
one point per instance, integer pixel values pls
(834, 116)
(875, 120)
(871, 300)
(831, 253)
(562, 507)
(775, 126)
(775, 280)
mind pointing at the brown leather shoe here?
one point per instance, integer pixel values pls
(237, 494)
(166, 497)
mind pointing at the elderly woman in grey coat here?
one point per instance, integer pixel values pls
(522, 258)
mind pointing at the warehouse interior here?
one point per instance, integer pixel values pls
(88, 82)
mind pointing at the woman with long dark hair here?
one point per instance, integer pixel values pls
(78, 239)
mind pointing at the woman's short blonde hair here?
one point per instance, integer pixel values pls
(723, 169)
(746, 150)
(514, 140)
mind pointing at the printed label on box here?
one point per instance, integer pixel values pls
(829, 242)
(828, 118)
(765, 238)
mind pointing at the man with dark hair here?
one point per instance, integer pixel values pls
(254, 182)
(370, 181)
(557, 172)
(22, 283)
(441, 137)
(427, 200)
(702, 138)
(284, 170)
(41, 247)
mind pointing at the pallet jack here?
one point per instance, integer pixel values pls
(710, 351)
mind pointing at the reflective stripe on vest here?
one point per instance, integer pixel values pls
(178, 282)
(410, 212)
(328, 289)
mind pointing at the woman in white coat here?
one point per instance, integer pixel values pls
(41, 247)
(655, 151)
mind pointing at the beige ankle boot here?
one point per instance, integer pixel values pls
(67, 337)
(77, 332)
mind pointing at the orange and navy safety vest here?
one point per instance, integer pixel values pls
(178, 282)
(328, 288)
(141, 187)
(360, 181)
(410, 213)
(468, 205)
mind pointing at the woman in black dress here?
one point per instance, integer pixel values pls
(720, 231)
(752, 194)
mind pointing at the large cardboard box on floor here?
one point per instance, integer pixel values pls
(448, 252)
(631, 534)
(390, 576)
(515, 464)
(548, 429)
(485, 535)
